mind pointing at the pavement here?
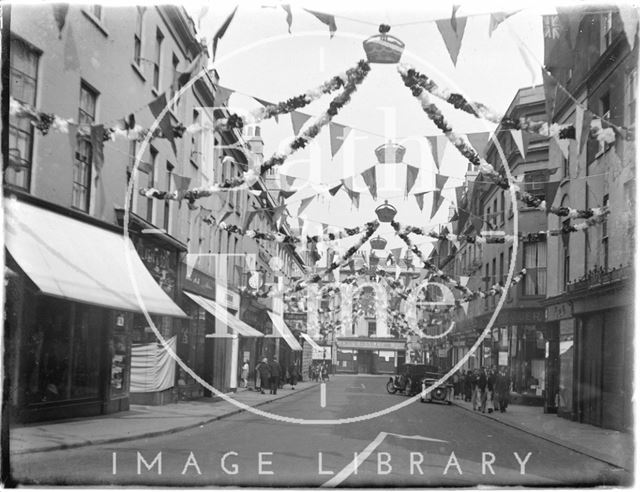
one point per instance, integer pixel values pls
(140, 421)
(613, 447)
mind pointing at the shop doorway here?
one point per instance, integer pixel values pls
(365, 362)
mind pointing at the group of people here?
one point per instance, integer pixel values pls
(270, 375)
(487, 390)
(317, 371)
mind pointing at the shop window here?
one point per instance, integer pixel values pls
(81, 189)
(24, 83)
(535, 261)
(62, 359)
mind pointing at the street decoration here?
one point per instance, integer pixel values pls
(383, 48)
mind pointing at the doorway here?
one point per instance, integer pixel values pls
(365, 362)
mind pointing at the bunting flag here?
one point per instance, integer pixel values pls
(222, 96)
(181, 182)
(335, 189)
(495, 19)
(412, 175)
(277, 212)
(71, 60)
(396, 254)
(438, 144)
(287, 193)
(248, 218)
(224, 216)
(420, 199)
(287, 9)
(157, 106)
(465, 307)
(290, 180)
(582, 127)
(97, 147)
(60, 11)
(550, 91)
(435, 204)
(369, 177)
(459, 190)
(477, 223)
(298, 120)
(267, 104)
(337, 135)
(478, 141)
(354, 196)
(441, 180)
(305, 203)
(463, 216)
(452, 36)
(629, 18)
(189, 71)
(550, 190)
(563, 144)
(463, 280)
(517, 138)
(223, 29)
(327, 19)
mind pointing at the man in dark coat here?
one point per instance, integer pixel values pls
(482, 389)
(264, 372)
(274, 366)
(293, 375)
(502, 390)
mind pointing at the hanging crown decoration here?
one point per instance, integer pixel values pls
(383, 48)
(390, 153)
(386, 212)
(378, 243)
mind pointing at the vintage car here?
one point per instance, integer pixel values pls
(443, 393)
(409, 379)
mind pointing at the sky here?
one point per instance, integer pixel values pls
(258, 57)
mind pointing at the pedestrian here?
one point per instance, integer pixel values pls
(482, 389)
(502, 390)
(475, 392)
(293, 375)
(244, 374)
(263, 375)
(468, 385)
(274, 366)
(456, 383)
(491, 379)
(325, 372)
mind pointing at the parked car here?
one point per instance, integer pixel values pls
(409, 379)
(442, 393)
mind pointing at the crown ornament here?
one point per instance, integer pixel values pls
(383, 48)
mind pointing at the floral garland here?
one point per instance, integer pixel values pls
(302, 100)
(301, 141)
(479, 110)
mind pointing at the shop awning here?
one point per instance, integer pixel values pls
(283, 331)
(221, 314)
(77, 261)
(311, 341)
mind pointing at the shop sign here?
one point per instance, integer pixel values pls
(556, 312)
(295, 316)
(227, 298)
(371, 344)
(323, 353)
(442, 353)
(503, 358)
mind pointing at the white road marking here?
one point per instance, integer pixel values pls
(348, 470)
(323, 395)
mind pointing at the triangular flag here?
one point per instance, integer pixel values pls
(465, 307)
(459, 190)
(550, 190)
(60, 11)
(287, 9)
(335, 189)
(437, 201)
(327, 19)
(437, 144)
(224, 216)
(441, 180)
(223, 29)
(579, 124)
(337, 135)
(305, 203)
(287, 193)
(157, 106)
(290, 180)
(550, 91)
(495, 19)
(629, 18)
(420, 199)
(464, 280)
(250, 214)
(369, 177)
(563, 144)
(452, 37)
(517, 138)
(267, 104)
(412, 175)
(97, 147)
(298, 120)
(189, 71)
(278, 211)
(477, 223)
(478, 141)
(222, 96)
(181, 182)
(71, 61)
(463, 216)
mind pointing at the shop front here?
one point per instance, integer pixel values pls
(70, 307)
(369, 355)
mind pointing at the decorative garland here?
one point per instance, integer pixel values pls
(301, 141)
(302, 100)
(479, 110)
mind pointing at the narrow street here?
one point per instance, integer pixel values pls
(424, 445)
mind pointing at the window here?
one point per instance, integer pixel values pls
(150, 183)
(494, 219)
(174, 81)
(167, 208)
(632, 81)
(493, 280)
(81, 189)
(606, 31)
(566, 270)
(95, 10)
(605, 237)
(535, 261)
(137, 36)
(487, 217)
(371, 329)
(486, 284)
(534, 182)
(133, 149)
(501, 277)
(157, 56)
(24, 78)
(565, 166)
